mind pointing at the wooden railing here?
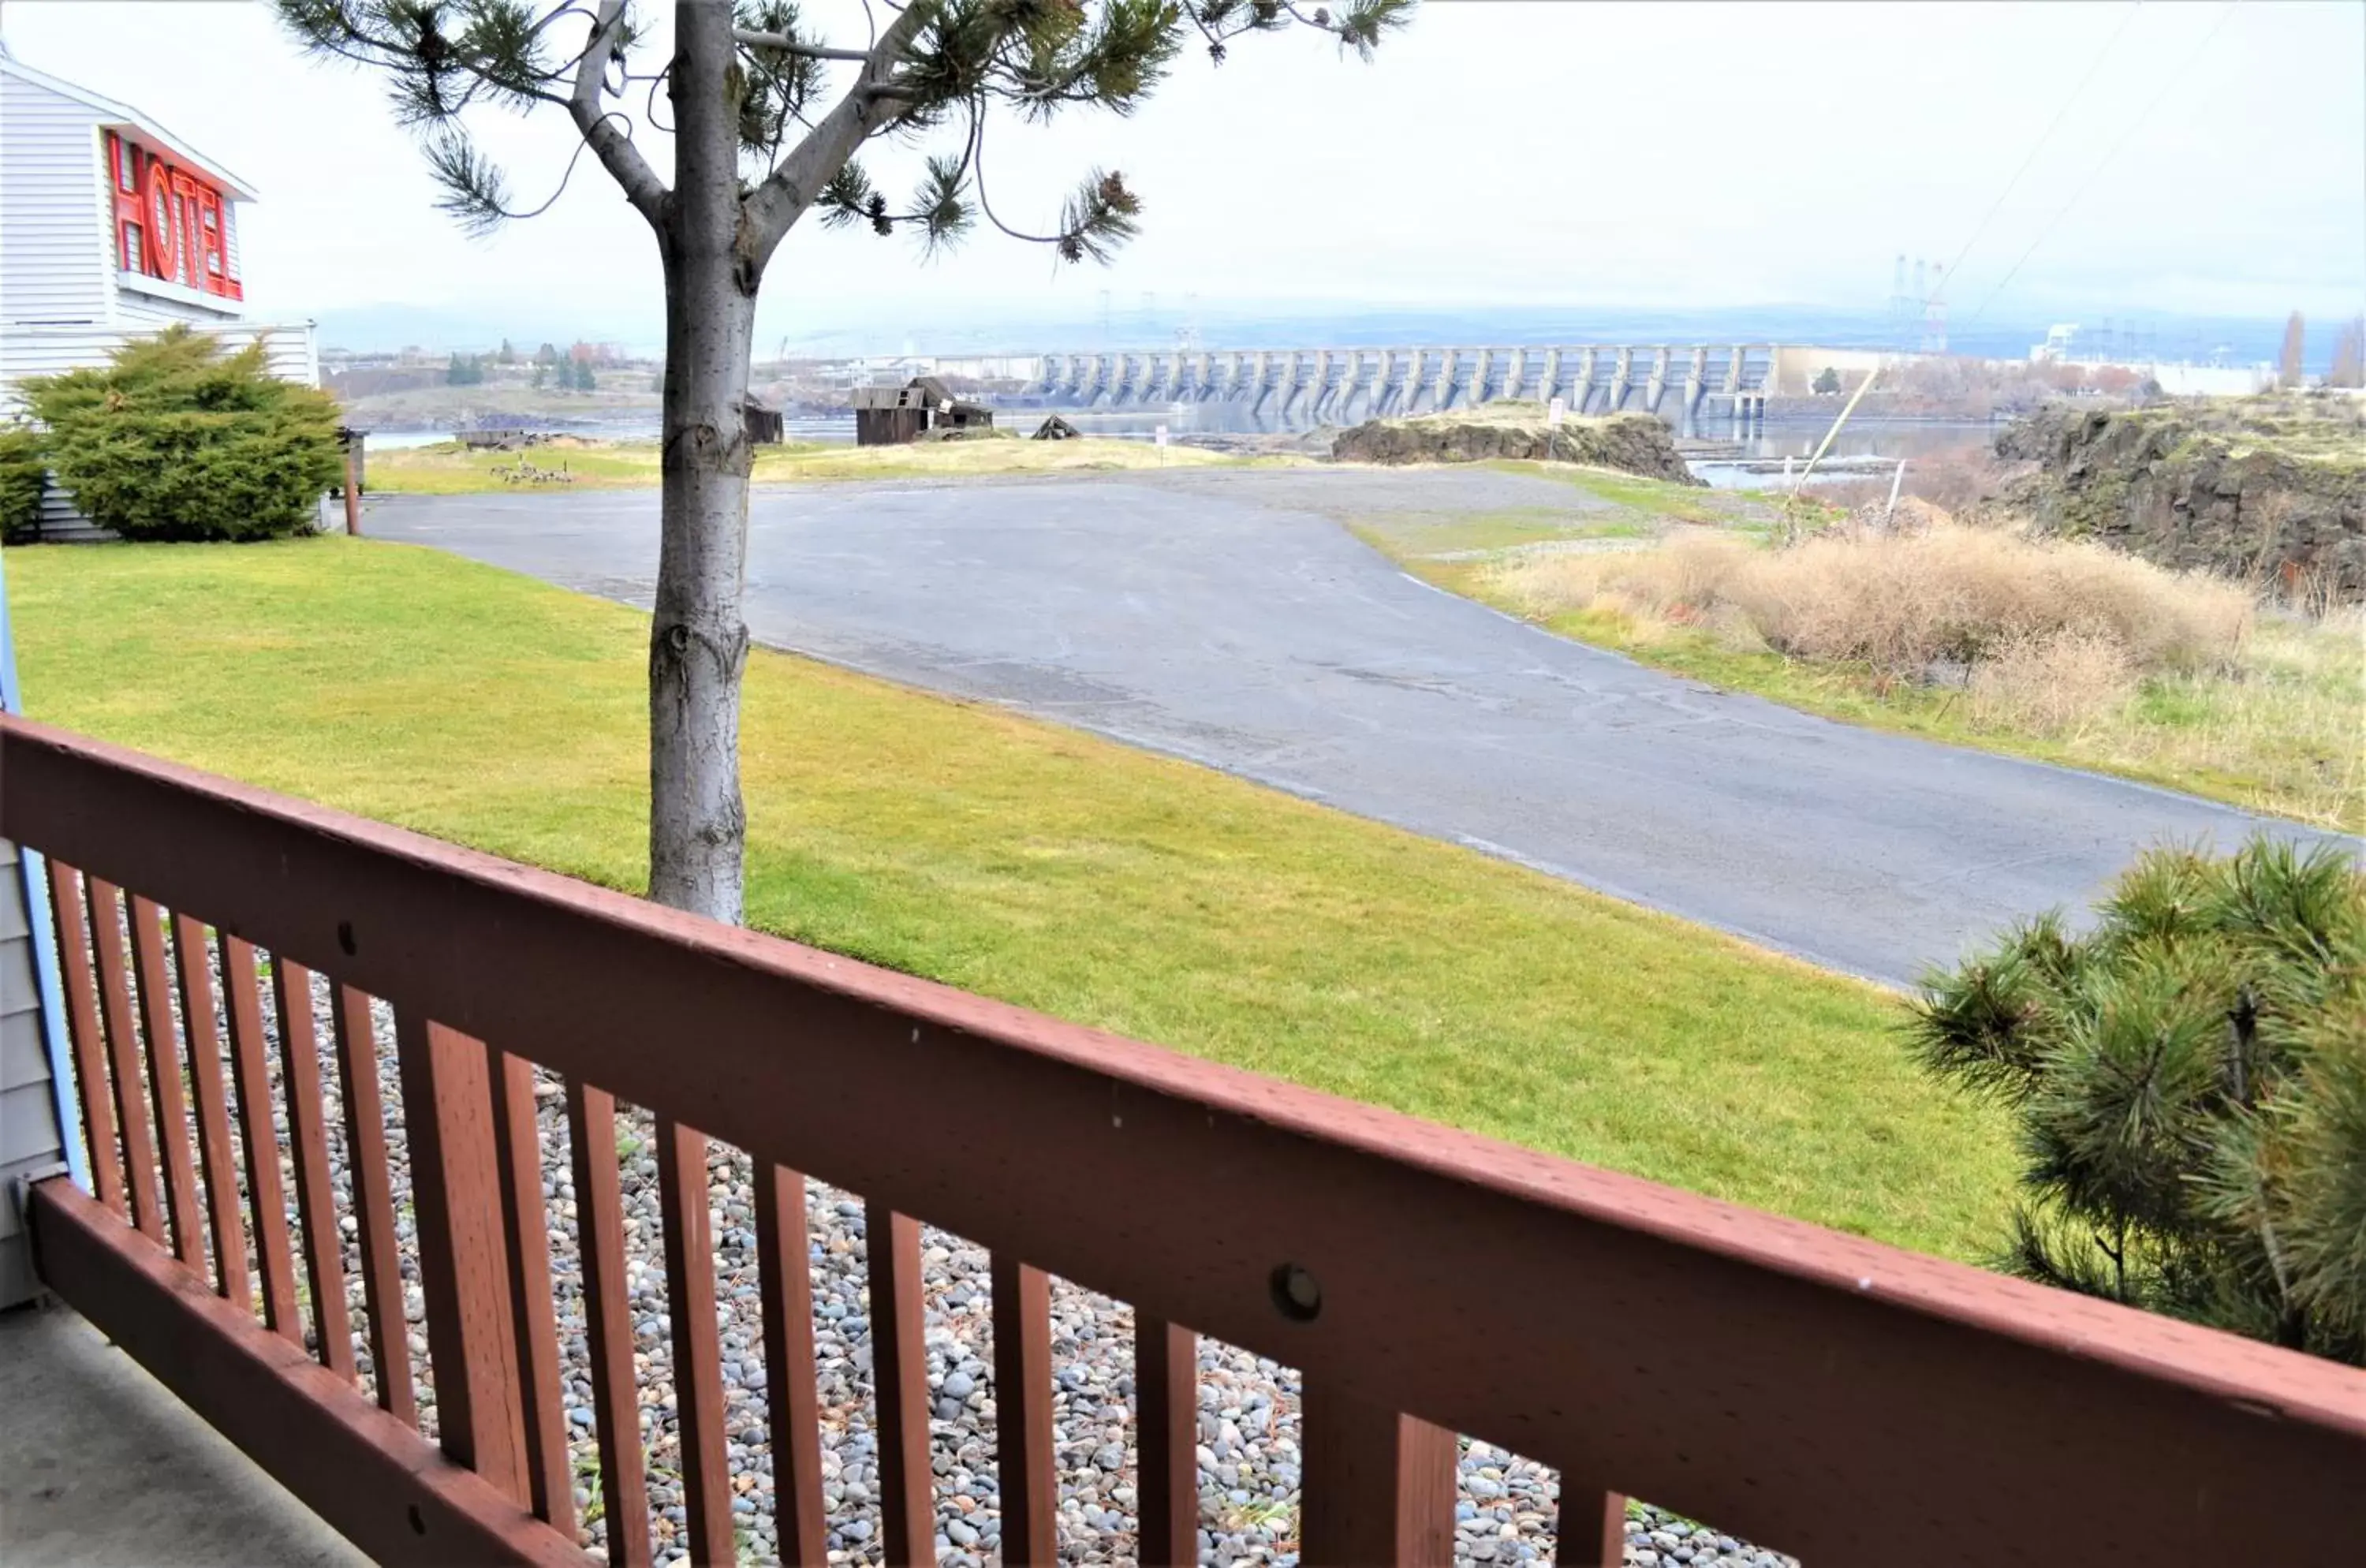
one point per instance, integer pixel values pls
(1815, 1391)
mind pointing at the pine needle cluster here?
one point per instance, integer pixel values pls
(2189, 1076)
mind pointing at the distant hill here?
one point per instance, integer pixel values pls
(944, 326)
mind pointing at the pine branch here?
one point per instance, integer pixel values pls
(817, 161)
(474, 191)
(1098, 218)
(942, 208)
(848, 197)
(782, 73)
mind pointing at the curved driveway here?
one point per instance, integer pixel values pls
(1226, 617)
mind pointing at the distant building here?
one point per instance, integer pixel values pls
(888, 416)
(2065, 345)
(112, 227)
(765, 425)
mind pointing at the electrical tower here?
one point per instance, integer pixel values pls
(1934, 314)
(1901, 308)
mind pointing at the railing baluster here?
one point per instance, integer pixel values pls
(1022, 1405)
(316, 1198)
(258, 1137)
(1377, 1486)
(366, 1156)
(214, 1156)
(1166, 1408)
(518, 1147)
(463, 1261)
(153, 979)
(123, 1055)
(89, 1044)
(608, 1324)
(898, 1372)
(697, 1355)
(790, 1396)
(1593, 1528)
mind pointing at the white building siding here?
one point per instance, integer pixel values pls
(290, 349)
(63, 301)
(153, 312)
(54, 249)
(31, 1143)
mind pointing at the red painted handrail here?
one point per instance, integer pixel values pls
(1816, 1392)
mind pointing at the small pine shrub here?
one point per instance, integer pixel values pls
(2190, 1081)
(175, 439)
(24, 466)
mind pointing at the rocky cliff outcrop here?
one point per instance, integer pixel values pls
(1631, 442)
(2272, 490)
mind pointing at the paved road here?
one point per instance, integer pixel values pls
(1229, 618)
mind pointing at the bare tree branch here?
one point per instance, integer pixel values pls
(776, 204)
(614, 147)
(788, 45)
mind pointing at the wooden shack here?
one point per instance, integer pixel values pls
(765, 425)
(886, 416)
(957, 414)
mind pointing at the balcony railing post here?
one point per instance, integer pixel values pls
(1166, 1393)
(1592, 1532)
(1377, 1487)
(258, 1139)
(366, 1153)
(308, 1141)
(783, 1248)
(682, 1199)
(1022, 1413)
(89, 1042)
(899, 1375)
(463, 1261)
(151, 977)
(608, 1329)
(215, 1158)
(123, 1056)
(517, 1132)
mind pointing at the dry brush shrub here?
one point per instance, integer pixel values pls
(1901, 602)
(2051, 684)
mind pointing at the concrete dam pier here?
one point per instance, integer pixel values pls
(1685, 385)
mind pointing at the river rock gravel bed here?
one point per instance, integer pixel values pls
(1248, 1416)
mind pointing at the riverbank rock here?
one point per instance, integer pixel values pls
(1630, 443)
(2271, 489)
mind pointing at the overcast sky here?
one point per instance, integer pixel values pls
(1661, 154)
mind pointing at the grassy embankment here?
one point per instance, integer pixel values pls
(2263, 711)
(449, 469)
(1035, 864)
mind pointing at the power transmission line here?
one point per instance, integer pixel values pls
(2133, 126)
(2038, 146)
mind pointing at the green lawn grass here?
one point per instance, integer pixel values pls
(1034, 863)
(1652, 498)
(447, 468)
(1452, 534)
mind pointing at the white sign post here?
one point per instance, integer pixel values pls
(1158, 433)
(1556, 410)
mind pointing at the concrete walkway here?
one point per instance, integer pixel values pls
(1226, 617)
(101, 1467)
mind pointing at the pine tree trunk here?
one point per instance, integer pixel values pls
(698, 641)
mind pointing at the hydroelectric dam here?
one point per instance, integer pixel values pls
(1687, 386)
